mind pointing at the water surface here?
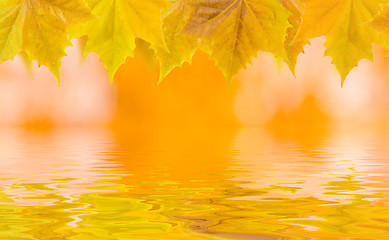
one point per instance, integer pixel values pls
(245, 184)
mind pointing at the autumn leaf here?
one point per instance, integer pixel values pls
(238, 29)
(39, 28)
(293, 49)
(180, 47)
(344, 23)
(112, 35)
(381, 20)
(11, 23)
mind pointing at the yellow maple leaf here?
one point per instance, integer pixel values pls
(180, 47)
(297, 47)
(381, 20)
(39, 28)
(238, 29)
(344, 23)
(112, 35)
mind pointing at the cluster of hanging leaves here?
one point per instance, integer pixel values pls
(230, 31)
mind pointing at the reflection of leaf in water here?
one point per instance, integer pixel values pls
(118, 216)
(37, 222)
(347, 185)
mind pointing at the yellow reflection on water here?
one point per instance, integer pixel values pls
(248, 183)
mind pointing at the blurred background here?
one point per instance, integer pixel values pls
(197, 96)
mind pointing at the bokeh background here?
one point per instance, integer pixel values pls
(197, 96)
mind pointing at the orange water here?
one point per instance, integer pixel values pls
(247, 183)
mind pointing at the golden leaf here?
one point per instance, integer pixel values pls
(39, 28)
(180, 47)
(238, 29)
(112, 35)
(344, 23)
(293, 49)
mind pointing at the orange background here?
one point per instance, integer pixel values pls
(197, 97)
